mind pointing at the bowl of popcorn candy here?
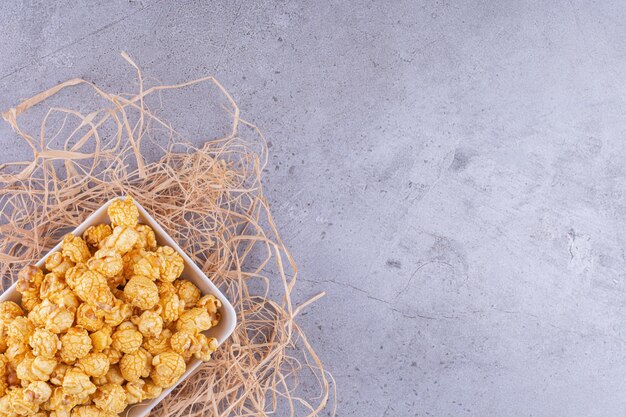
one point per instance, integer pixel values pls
(108, 323)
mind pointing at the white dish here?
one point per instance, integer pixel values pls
(191, 272)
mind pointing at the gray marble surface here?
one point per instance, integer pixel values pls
(450, 173)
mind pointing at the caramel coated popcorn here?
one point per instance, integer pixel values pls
(106, 324)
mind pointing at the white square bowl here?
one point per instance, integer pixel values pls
(191, 272)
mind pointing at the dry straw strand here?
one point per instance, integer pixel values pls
(209, 198)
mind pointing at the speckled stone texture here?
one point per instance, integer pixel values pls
(450, 173)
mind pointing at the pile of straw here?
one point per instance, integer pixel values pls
(208, 198)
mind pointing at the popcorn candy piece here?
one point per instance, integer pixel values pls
(44, 343)
(168, 367)
(158, 344)
(187, 292)
(123, 212)
(52, 283)
(107, 262)
(38, 392)
(96, 235)
(122, 240)
(75, 249)
(147, 264)
(172, 264)
(88, 319)
(116, 314)
(195, 320)
(110, 398)
(58, 264)
(151, 390)
(136, 365)
(59, 320)
(113, 376)
(74, 274)
(58, 374)
(90, 411)
(42, 368)
(92, 288)
(101, 339)
(114, 355)
(28, 283)
(146, 238)
(127, 338)
(16, 353)
(181, 342)
(203, 347)
(20, 404)
(75, 344)
(141, 292)
(8, 312)
(19, 331)
(77, 382)
(60, 402)
(134, 392)
(170, 307)
(94, 364)
(150, 324)
(65, 298)
(212, 305)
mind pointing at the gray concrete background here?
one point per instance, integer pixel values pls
(450, 173)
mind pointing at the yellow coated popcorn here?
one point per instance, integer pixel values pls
(20, 404)
(107, 262)
(51, 284)
(150, 324)
(92, 288)
(88, 319)
(75, 249)
(145, 263)
(134, 392)
(123, 212)
(58, 264)
(203, 347)
(114, 355)
(172, 264)
(75, 344)
(118, 313)
(43, 367)
(151, 390)
(122, 240)
(158, 344)
(170, 307)
(146, 238)
(58, 374)
(109, 324)
(101, 338)
(212, 305)
(19, 330)
(90, 411)
(187, 292)
(96, 235)
(38, 392)
(44, 343)
(136, 365)
(94, 364)
(65, 298)
(195, 320)
(141, 292)
(181, 341)
(8, 312)
(16, 353)
(127, 338)
(77, 382)
(110, 398)
(114, 376)
(59, 319)
(73, 275)
(168, 367)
